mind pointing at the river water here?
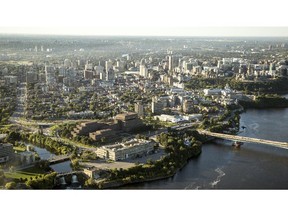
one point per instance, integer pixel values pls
(44, 154)
(253, 166)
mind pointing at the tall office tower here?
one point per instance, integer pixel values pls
(50, 75)
(143, 71)
(98, 69)
(88, 66)
(102, 75)
(120, 65)
(110, 75)
(62, 71)
(219, 64)
(170, 66)
(139, 109)
(88, 74)
(108, 65)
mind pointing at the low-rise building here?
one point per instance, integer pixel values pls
(87, 127)
(128, 121)
(209, 92)
(27, 157)
(6, 152)
(104, 133)
(92, 172)
(130, 149)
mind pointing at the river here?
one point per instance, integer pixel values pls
(44, 154)
(253, 166)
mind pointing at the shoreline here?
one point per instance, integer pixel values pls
(117, 184)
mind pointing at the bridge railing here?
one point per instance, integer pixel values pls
(245, 139)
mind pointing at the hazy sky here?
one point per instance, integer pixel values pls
(148, 17)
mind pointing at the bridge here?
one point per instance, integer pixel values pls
(244, 139)
(58, 159)
(68, 173)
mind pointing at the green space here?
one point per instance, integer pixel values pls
(28, 173)
(177, 156)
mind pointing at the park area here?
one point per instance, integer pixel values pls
(28, 174)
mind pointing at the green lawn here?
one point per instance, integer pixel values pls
(26, 173)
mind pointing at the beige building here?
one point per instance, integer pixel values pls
(104, 133)
(129, 149)
(123, 122)
(92, 172)
(128, 121)
(139, 109)
(86, 127)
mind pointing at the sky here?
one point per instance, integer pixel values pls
(149, 17)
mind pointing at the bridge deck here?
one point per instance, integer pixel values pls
(59, 159)
(245, 139)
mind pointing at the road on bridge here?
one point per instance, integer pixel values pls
(245, 139)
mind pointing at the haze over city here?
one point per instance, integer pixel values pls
(212, 31)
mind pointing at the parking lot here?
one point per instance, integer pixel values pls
(125, 164)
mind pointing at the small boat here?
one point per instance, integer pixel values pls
(237, 144)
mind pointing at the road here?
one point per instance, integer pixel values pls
(245, 139)
(20, 102)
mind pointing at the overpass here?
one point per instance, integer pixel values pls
(244, 139)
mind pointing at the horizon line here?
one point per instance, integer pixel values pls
(152, 31)
(131, 35)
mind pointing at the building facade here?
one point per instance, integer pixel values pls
(130, 149)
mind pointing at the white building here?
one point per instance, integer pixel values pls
(209, 92)
(129, 149)
(143, 71)
(108, 65)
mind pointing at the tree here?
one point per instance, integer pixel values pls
(90, 183)
(75, 164)
(10, 185)
(43, 164)
(11, 168)
(2, 178)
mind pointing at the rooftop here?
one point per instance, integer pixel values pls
(125, 145)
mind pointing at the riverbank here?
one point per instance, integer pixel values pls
(178, 155)
(265, 102)
(120, 183)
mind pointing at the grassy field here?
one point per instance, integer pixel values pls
(26, 173)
